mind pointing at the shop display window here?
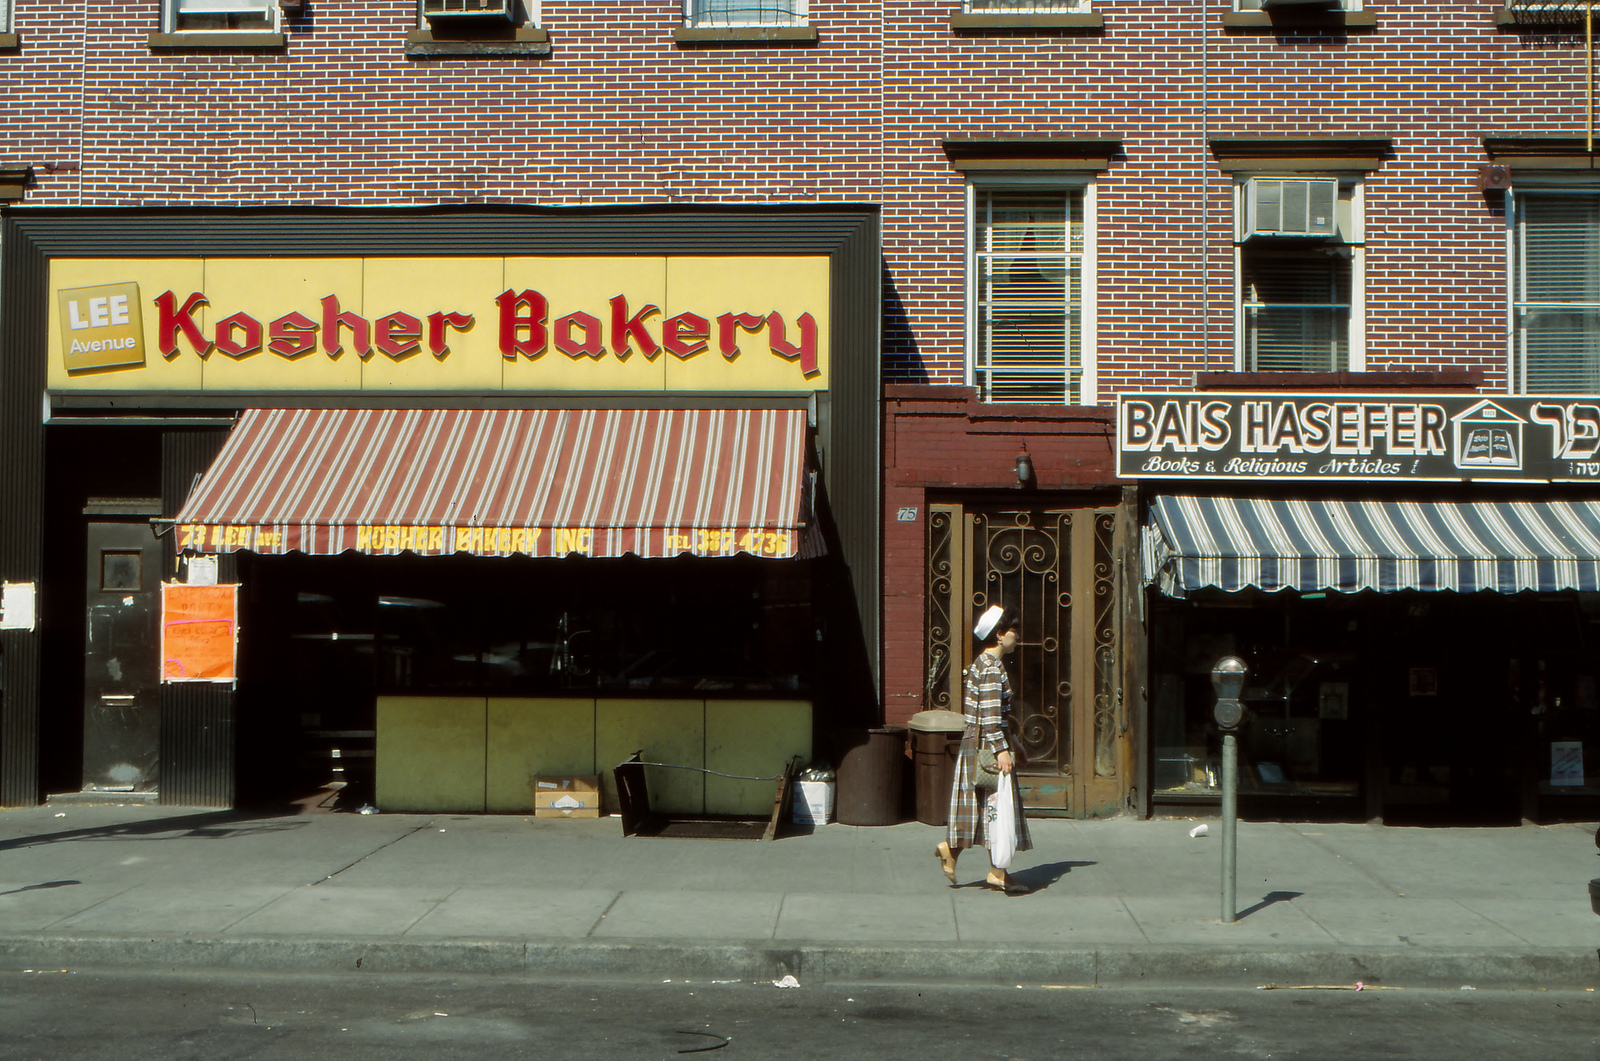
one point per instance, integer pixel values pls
(1298, 739)
(523, 627)
(328, 636)
(1425, 706)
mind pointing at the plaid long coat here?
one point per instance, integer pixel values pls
(984, 706)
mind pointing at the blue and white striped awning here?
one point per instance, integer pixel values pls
(1231, 543)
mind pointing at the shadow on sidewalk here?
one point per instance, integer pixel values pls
(1038, 878)
(1267, 900)
(210, 825)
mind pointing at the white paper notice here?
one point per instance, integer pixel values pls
(202, 571)
(1566, 762)
(17, 606)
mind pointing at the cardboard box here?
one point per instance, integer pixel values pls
(566, 796)
(813, 803)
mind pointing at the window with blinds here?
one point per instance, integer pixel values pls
(1025, 7)
(710, 13)
(221, 15)
(1027, 278)
(1257, 5)
(1295, 306)
(1556, 301)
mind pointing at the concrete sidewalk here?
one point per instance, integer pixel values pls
(1115, 901)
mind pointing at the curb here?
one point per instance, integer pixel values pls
(914, 963)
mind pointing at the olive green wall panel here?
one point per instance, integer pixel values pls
(430, 753)
(752, 738)
(528, 737)
(667, 731)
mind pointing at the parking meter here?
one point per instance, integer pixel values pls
(1227, 678)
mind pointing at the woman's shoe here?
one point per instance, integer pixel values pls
(1002, 882)
(947, 859)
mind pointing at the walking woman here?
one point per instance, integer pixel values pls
(984, 710)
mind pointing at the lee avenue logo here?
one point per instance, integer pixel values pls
(101, 328)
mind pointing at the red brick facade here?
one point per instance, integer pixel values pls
(942, 443)
(619, 114)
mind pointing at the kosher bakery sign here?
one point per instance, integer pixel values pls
(1370, 437)
(428, 325)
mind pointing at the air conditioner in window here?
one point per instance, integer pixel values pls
(1291, 206)
(501, 10)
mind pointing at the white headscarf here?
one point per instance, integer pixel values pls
(986, 622)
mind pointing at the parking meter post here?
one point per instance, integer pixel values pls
(1230, 828)
(1227, 677)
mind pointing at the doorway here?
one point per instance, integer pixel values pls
(121, 709)
(1059, 568)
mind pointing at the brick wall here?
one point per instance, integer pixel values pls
(620, 114)
(942, 444)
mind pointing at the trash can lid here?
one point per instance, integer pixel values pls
(937, 721)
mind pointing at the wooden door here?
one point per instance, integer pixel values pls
(1059, 568)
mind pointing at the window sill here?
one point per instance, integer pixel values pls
(745, 35)
(1449, 380)
(9, 42)
(522, 40)
(1303, 22)
(201, 39)
(978, 21)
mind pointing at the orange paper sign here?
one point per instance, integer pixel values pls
(199, 626)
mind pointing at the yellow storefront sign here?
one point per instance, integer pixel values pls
(431, 325)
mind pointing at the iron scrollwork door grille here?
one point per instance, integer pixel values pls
(1024, 559)
(1058, 567)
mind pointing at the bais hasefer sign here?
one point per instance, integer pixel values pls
(1370, 437)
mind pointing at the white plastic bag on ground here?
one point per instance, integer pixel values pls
(1002, 822)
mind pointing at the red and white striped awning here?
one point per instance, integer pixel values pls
(436, 482)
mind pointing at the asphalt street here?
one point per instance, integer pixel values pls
(56, 1015)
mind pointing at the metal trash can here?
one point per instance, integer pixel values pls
(871, 765)
(935, 746)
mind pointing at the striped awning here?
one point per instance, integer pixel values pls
(1229, 543)
(601, 482)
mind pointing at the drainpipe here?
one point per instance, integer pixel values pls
(1205, 200)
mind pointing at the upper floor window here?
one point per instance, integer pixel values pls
(1030, 262)
(707, 14)
(1556, 292)
(1294, 6)
(1298, 262)
(1027, 7)
(220, 16)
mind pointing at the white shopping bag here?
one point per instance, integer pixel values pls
(1001, 817)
